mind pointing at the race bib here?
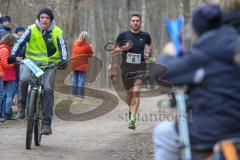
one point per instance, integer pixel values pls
(33, 67)
(133, 58)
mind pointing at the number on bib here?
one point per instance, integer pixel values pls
(133, 58)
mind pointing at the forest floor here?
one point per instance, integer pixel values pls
(104, 138)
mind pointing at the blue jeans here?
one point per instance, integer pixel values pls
(1, 96)
(9, 87)
(166, 141)
(78, 83)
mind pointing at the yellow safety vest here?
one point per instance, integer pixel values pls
(36, 47)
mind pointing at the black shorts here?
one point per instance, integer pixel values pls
(129, 78)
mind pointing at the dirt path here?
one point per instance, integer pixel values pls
(103, 138)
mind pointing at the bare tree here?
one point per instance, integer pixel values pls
(103, 19)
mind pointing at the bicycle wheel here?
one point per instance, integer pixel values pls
(38, 124)
(37, 132)
(30, 118)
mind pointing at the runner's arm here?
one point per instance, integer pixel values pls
(149, 45)
(117, 49)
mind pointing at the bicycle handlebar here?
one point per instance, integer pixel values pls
(42, 65)
(38, 69)
(48, 66)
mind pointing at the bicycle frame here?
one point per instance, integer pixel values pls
(36, 81)
(34, 103)
(34, 111)
(35, 84)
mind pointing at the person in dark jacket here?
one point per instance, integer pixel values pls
(231, 13)
(214, 96)
(19, 30)
(5, 26)
(232, 17)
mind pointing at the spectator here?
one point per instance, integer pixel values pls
(232, 13)
(81, 51)
(19, 31)
(214, 91)
(7, 74)
(232, 18)
(5, 26)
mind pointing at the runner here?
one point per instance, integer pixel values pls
(134, 63)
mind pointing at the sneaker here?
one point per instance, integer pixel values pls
(46, 130)
(21, 113)
(131, 125)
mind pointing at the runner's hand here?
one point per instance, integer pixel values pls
(126, 47)
(146, 56)
(169, 49)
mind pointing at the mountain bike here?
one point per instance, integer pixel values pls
(34, 105)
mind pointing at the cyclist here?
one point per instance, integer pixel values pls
(133, 68)
(45, 44)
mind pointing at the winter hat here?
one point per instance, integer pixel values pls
(6, 19)
(206, 18)
(47, 11)
(19, 28)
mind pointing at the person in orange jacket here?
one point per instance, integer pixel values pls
(81, 51)
(6, 44)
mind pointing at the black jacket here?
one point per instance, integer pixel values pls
(233, 18)
(214, 95)
(4, 30)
